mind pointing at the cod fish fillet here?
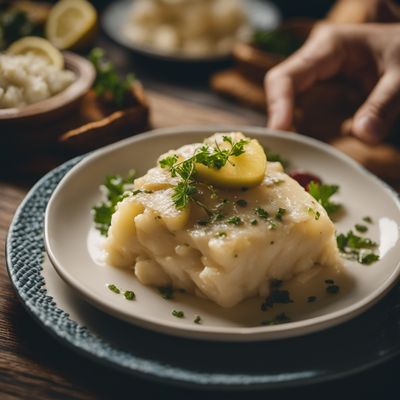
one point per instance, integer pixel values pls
(274, 230)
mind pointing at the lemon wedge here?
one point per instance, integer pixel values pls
(37, 46)
(72, 24)
(245, 170)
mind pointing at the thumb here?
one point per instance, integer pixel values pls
(374, 119)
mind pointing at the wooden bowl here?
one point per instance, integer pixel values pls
(55, 106)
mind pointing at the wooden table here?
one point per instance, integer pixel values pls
(34, 365)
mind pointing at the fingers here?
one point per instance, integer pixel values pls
(320, 58)
(373, 121)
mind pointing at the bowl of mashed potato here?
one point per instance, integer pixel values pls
(36, 88)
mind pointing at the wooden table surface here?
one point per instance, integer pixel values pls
(34, 365)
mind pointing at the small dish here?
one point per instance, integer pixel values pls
(55, 106)
(262, 14)
(71, 242)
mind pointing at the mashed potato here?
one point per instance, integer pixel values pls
(191, 27)
(27, 79)
(273, 230)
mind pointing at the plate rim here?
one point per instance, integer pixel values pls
(88, 346)
(262, 333)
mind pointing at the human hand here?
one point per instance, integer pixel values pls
(367, 53)
(362, 11)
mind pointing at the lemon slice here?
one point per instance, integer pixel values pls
(37, 46)
(245, 170)
(71, 24)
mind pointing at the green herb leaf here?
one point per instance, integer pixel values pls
(367, 258)
(114, 288)
(115, 187)
(368, 220)
(235, 220)
(197, 320)
(178, 314)
(263, 214)
(357, 248)
(361, 228)
(277, 296)
(129, 295)
(332, 289)
(314, 212)
(280, 213)
(168, 162)
(322, 193)
(220, 234)
(212, 157)
(107, 80)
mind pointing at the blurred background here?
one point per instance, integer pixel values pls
(213, 53)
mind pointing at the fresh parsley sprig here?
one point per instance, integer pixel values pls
(115, 187)
(323, 193)
(212, 157)
(357, 248)
(107, 80)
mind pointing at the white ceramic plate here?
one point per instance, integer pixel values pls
(69, 238)
(261, 14)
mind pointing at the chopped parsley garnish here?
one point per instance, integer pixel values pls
(332, 289)
(357, 248)
(281, 318)
(115, 187)
(368, 220)
(197, 320)
(221, 234)
(129, 295)
(322, 193)
(167, 292)
(277, 296)
(311, 299)
(280, 213)
(313, 212)
(368, 258)
(235, 220)
(211, 157)
(263, 214)
(241, 203)
(361, 228)
(254, 222)
(108, 84)
(178, 314)
(114, 288)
